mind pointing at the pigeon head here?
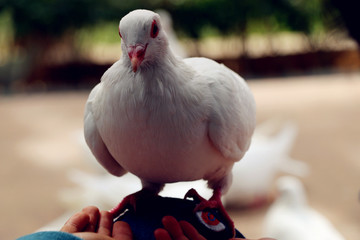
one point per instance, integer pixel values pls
(291, 191)
(143, 39)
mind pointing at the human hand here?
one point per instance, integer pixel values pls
(91, 224)
(181, 230)
(177, 230)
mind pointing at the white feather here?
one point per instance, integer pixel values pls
(290, 218)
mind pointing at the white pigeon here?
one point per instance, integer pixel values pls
(166, 119)
(290, 218)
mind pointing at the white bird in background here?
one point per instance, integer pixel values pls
(290, 217)
(167, 25)
(165, 119)
(267, 156)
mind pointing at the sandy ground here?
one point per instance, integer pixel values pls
(39, 144)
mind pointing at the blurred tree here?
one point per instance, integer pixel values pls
(240, 17)
(44, 19)
(44, 29)
(40, 25)
(349, 12)
(230, 16)
(43, 22)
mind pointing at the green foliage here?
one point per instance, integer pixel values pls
(54, 17)
(6, 36)
(48, 17)
(102, 32)
(242, 16)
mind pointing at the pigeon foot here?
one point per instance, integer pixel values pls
(131, 200)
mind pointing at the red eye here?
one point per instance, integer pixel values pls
(209, 218)
(119, 32)
(210, 221)
(154, 29)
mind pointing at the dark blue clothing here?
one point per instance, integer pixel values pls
(49, 236)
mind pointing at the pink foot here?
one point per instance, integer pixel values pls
(130, 201)
(213, 203)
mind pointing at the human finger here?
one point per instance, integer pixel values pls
(76, 223)
(122, 231)
(94, 216)
(173, 227)
(92, 236)
(105, 223)
(162, 234)
(190, 231)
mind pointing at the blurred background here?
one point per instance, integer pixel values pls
(300, 58)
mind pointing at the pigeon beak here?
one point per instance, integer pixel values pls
(136, 54)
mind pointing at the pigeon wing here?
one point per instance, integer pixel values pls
(94, 140)
(232, 109)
